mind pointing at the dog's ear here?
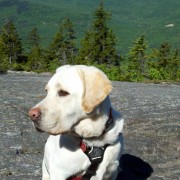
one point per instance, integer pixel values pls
(96, 87)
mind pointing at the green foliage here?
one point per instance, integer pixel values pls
(113, 72)
(3, 60)
(98, 48)
(3, 64)
(53, 65)
(34, 38)
(154, 74)
(165, 63)
(130, 18)
(99, 42)
(137, 60)
(36, 60)
(17, 67)
(174, 66)
(10, 43)
(63, 45)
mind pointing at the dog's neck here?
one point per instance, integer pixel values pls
(99, 127)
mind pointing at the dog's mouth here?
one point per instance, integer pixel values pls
(49, 130)
(38, 129)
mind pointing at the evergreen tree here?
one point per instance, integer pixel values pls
(3, 59)
(174, 66)
(34, 38)
(63, 46)
(85, 53)
(10, 42)
(163, 56)
(98, 45)
(165, 63)
(137, 59)
(36, 60)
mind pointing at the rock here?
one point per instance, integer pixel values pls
(152, 128)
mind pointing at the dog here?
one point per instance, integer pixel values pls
(86, 139)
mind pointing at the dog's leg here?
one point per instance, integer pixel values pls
(108, 169)
(45, 174)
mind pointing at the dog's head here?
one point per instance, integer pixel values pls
(72, 93)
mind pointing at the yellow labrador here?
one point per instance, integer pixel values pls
(86, 138)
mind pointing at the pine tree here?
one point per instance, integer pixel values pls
(165, 63)
(85, 53)
(174, 66)
(3, 59)
(10, 42)
(98, 45)
(36, 59)
(163, 55)
(69, 44)
(137, 59)
(63, 45)
(34, 38)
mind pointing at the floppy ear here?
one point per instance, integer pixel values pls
(96, 87)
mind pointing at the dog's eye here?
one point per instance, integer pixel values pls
(62, 93)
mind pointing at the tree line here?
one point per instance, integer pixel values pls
(98, 48)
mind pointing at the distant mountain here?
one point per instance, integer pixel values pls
(159, 20)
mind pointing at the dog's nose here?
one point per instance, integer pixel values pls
(35, 114)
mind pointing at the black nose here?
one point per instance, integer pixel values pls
(35, 114)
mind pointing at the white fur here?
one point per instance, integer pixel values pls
(66, 115)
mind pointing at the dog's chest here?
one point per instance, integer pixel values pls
(64, 153)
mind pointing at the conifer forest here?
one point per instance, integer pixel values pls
(97, 47)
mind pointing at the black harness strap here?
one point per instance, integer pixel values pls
(109, 122)
(95, 155)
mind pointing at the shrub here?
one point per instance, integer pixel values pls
(3, 65)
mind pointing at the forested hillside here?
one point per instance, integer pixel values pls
(130, 18)
(131, 48)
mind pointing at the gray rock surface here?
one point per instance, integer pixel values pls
(152, 126)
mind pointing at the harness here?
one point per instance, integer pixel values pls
(94, 153)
